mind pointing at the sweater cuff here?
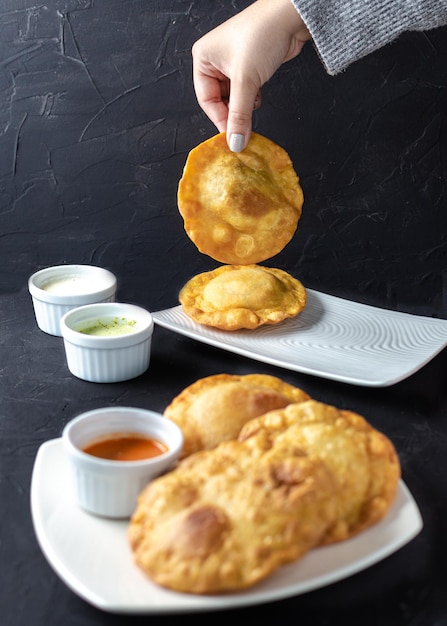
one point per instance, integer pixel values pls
(344, 31)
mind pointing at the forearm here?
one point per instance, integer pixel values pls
(343, 31)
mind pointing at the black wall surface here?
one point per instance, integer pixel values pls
(98, 114)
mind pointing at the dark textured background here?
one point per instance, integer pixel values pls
(97, 116)
(98, 113)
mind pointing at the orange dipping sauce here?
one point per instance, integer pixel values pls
(126, 447)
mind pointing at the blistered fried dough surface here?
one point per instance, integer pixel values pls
(225, 519)
(214, 409)
(362, 460)
(239, 208)
(232, 297)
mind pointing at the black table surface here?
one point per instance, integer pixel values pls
(39, 396)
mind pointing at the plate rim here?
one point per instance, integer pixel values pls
(193, 603)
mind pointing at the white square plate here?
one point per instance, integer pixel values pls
(332, 338)
(92, 555)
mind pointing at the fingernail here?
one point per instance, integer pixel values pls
(237, 142)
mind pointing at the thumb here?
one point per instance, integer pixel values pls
(243, 100)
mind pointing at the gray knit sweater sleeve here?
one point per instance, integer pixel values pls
(343, 31)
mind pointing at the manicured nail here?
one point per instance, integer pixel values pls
(237, 142)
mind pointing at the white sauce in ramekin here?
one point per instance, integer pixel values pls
(71, 285)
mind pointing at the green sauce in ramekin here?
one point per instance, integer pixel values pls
(110, 327)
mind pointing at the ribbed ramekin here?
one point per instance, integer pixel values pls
(110, 488)
(59, 289)
(107, 359)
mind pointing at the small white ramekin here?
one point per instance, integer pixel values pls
(107, 359)
(111, 488)
(56, 290)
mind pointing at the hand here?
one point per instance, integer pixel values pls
(233, 61)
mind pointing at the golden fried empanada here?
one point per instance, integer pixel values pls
(214, 409)
(362, 460)
(242, 296)
(239, 208)
(226, 518)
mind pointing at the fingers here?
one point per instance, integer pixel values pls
(243, 101)
(243, 53)
(228, 100)
(212, 95)
(230, 112)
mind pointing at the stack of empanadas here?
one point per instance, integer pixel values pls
(301, 475)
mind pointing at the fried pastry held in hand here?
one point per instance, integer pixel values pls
(362, 460)
(239, 208)
(232, 297)
(227, 518)
(214, 409)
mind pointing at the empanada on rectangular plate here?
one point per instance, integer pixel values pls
(242, 296)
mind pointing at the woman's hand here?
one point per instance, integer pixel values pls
(233, 61)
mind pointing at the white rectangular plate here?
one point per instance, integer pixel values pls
(92, 555)
(332, 338)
